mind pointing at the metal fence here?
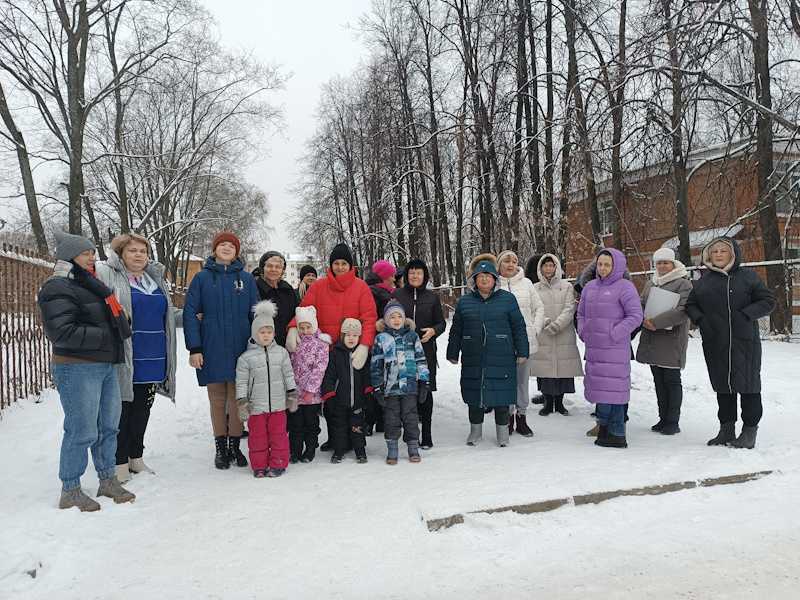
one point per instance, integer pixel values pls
(24, 349)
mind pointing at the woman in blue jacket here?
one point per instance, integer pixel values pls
(224, 294)
(488, 331)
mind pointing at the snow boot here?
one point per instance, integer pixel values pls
(594, 431)
(111, 488)
(658, 426)
(336, 458)
(221, 457)
(137, 465)
(76, 497)
(413, 452)
(548, 406)
(537, 399)
(295, 447)
(326, 447)
(727, 433)
(502, 435)
(234, 454)
(391, 452)
(670, 429)
(123, 473)
(275, 472)
(560, 406)
(260, 473)
(611, 441)
(308, 455)
(475, 434)
(361, 456)
(510, 424)
(746, 439)
(522, 426)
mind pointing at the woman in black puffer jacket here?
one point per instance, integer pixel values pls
(86, 326)
(424, 308)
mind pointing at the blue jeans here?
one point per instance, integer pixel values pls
(613, 416)
(92, 405)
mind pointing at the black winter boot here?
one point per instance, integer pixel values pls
(309, 454)
(234, 454)
(670, 429)
(295, 447)
(426, 441)
(612, 441)
(221, 456)
(522, 426)
(746, 439)
(537, 399)
(727, 433)
(548, 406)
(559, 406)
(658, 426)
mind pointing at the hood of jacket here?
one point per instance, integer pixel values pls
(735, 249)
(515, 278)
(473, 264)
(557, 276)
(408, 325)
(678, 272)
(619, 268)
(416, 263)
(532, 268)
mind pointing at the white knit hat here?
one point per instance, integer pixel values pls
(265, 312)
(664, 254)
(350, 325)
(307, 314)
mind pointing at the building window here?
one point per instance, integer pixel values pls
(788, 190)
(607, 214)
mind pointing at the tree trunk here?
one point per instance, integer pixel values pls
(617, 101)
(532, 134)
(549, 166)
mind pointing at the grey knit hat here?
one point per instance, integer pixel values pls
(69, 245)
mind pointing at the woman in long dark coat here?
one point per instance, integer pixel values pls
(726, 304)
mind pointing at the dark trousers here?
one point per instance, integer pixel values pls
(133, 422)
(500, 415)
(751, 408)
(669, 393)
(374, 414)
(401, 412)
(343, 423)
(303, 425)
(425, 412)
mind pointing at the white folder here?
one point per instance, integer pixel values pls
(660, 301)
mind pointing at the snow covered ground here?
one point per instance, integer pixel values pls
(358, 531)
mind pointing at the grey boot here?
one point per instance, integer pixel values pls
(76, 497)
(727, 433)
(111, 488)
(475, 434)
(502, 435)
(746, 439)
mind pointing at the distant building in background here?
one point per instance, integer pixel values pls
(295, 262)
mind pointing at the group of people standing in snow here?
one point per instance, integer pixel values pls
(364, 354)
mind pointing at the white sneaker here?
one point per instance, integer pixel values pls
(123, 473)
(136, 465)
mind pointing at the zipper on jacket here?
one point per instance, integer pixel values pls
(730, 334)
(414, 311)
(352, 383)
(269, 380)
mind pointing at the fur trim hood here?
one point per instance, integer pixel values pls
(380, 325)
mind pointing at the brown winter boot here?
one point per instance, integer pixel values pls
(76, 497)
(111, 488)
(522, 426)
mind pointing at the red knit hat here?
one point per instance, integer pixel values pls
(226, 236)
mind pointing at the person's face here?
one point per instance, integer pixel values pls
(134, 256)
(273, 269)
(309, 278)
(548, 269)
(85, 260)
(351, 340)
(416, 277)
(604, 265)
(664, 266)
(484, 282)
(266, 335)
(225, 252)
(721, 255)
(340, 267)
(305, 328)
(396, 320)
(508, 266)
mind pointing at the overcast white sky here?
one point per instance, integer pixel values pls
(314, 40)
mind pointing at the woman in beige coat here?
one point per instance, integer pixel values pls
(558, 361)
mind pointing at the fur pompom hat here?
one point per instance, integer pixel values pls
(265, 312)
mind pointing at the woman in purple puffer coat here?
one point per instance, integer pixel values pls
(609, 311)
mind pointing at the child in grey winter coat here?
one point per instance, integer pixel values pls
(400, 379)
(265, 389)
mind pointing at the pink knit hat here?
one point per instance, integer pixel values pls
(383, 269)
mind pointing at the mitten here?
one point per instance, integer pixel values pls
(360, 355)
(291, 401)
(422, 392)
(292, 339)
(244, 410)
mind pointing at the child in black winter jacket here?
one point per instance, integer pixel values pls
(344, 390)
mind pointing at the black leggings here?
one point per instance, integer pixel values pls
(133, 422)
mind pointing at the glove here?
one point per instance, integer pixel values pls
(291, 339)
(379, 397)
(291, 401)
(551, 328)
(244, 410)
(422, 392)
(360, 355)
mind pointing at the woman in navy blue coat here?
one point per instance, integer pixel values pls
(488, 331)
(224, 294)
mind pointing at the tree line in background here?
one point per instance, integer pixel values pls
(140, 118)
(473, 124)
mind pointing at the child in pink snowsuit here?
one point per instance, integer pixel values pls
(309, 362)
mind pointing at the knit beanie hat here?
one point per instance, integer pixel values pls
(305, 270)
(226, 236)
(307, 314)
(664, 254)
(504, 254)
(351, 325)
(342, 252)
(264, 312)
(393, 306)
(69, 245)
(266, 256)
(383, 269)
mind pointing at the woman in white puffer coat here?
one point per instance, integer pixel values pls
(512, 279)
